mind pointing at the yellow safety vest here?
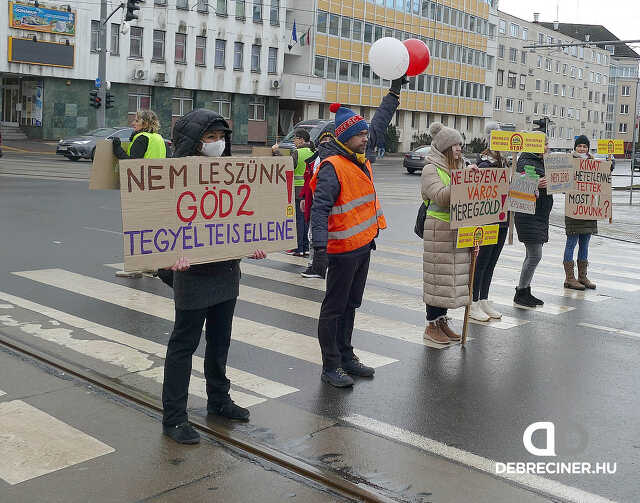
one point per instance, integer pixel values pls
(156, 149)
(298, 175)
(433, 210)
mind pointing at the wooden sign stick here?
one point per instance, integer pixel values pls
(472, 275)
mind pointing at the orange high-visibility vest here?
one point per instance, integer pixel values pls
(356, 216)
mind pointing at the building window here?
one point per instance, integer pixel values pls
(334, 25)
(344, 71)
(545, 109)
(513, 55)
(181, 104)
(538, 85)
(511, 80)
(548, 64)
(497, 104)
(160, 3)
(95, 36)
(238, 53)
(319, 67)
(536, 108)
(500, 51)
(181, 48)
(221, 7)
(547, 86)
(366, 75)
(357, 30)
(626, 90)
(201, 51)
(523, 82)
(115, 39)
(554, 110)
(272, 65)
(255, 58)
(256, 112)
(332, 69)
(345, 28)
(368, 33)
(509, 104)
(135, 42)
(523, 57)
(515, 30)
(240, 9)
(257, 11)
(624, 109)
(321, 22)
(556, 89)
(202, 6)
(520, 106)
(502, 27)
(221, 47)
(355, 72)
(182, 4)
(622, 128)
(525, 33)
(539, 64)
(500, 78)
(139, 99)
(274, 13)
(222, 107)
(158, 45)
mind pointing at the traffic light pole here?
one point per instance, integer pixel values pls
(634, 137)
(102, 64)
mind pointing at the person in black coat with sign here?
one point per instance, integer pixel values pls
(204, 292)
(533, 230)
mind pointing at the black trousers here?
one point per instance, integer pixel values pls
(486, 264)
(346, 279)
(183, 342)
(434, 312)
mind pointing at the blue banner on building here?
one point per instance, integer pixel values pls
(29, 17)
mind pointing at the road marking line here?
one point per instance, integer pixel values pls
(250, 332)
(533, 482)
(102, 230)
(558, 292)
(37, 443)
(610, 329)
(2, 393)
(240, 378)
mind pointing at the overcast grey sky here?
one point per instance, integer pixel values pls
(621, 17)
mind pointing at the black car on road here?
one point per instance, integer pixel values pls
(415, 160)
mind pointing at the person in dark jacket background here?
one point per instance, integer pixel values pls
(481, 309)
(533, 230)
(203, 292)
(578, 233)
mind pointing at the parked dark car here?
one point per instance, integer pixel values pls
(84, 146)
(315, 127)
(415, 160)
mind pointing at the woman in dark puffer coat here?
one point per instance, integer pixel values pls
(204, 292)
(533, 230)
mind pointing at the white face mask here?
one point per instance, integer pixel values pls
(213, 149)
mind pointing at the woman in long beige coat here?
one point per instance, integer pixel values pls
(445, 268)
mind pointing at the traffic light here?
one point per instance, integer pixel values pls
(109, 101)
(542, 125)
(95, 101)
(132, 7)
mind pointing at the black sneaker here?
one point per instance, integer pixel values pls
(310, 272)
(182, 433)
(229, 410)
(522, 298)
(337, 378)
(536, 300)
(356, 368)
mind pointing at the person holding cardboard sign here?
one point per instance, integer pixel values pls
(145, 142)
(533, 230)
(445, 267)
(203, 292)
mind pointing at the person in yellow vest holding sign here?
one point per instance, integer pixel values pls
(145, 142)
(445, 267)
(303, 151)
(346, 217)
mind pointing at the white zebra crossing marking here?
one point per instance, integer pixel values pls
(257, 334)
(35, 443)
(132, 353)
(2, 393)
(617, 331)
(535, 482)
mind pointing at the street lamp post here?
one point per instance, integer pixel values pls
(635, 141)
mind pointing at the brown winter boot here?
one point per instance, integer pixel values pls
(434, 334)
(582, 274)
(570, 280)
(446, 329)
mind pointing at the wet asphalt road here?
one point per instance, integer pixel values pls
(478, 399)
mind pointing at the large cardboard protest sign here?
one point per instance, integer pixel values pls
(508, 141)
(590, 198)
(610, 147)
(205, 209)
(104, 170)
(478, 197)
(522, 194)
(558, 170)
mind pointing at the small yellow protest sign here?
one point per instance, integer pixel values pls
(479, 235)
(509, 141)
(610, 147)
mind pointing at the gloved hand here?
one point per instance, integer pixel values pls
(396, 85)
(115, 144)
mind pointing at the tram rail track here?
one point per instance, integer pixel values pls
(317, 475)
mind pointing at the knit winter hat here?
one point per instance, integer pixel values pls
(348, 123)
(581, 140)
(490, 126)
(443, 137)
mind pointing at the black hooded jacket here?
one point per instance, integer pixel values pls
(202, 285)
(534, 228)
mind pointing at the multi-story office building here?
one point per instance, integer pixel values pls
(568, 85)
(179, 54)
(456, 89)
(623, 78)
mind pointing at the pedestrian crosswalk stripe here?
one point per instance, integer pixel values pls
(536, 483)
(253, 333)
(559, 292)
(132, 353)
(35, 443)
(2, 393)
(617, 331)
